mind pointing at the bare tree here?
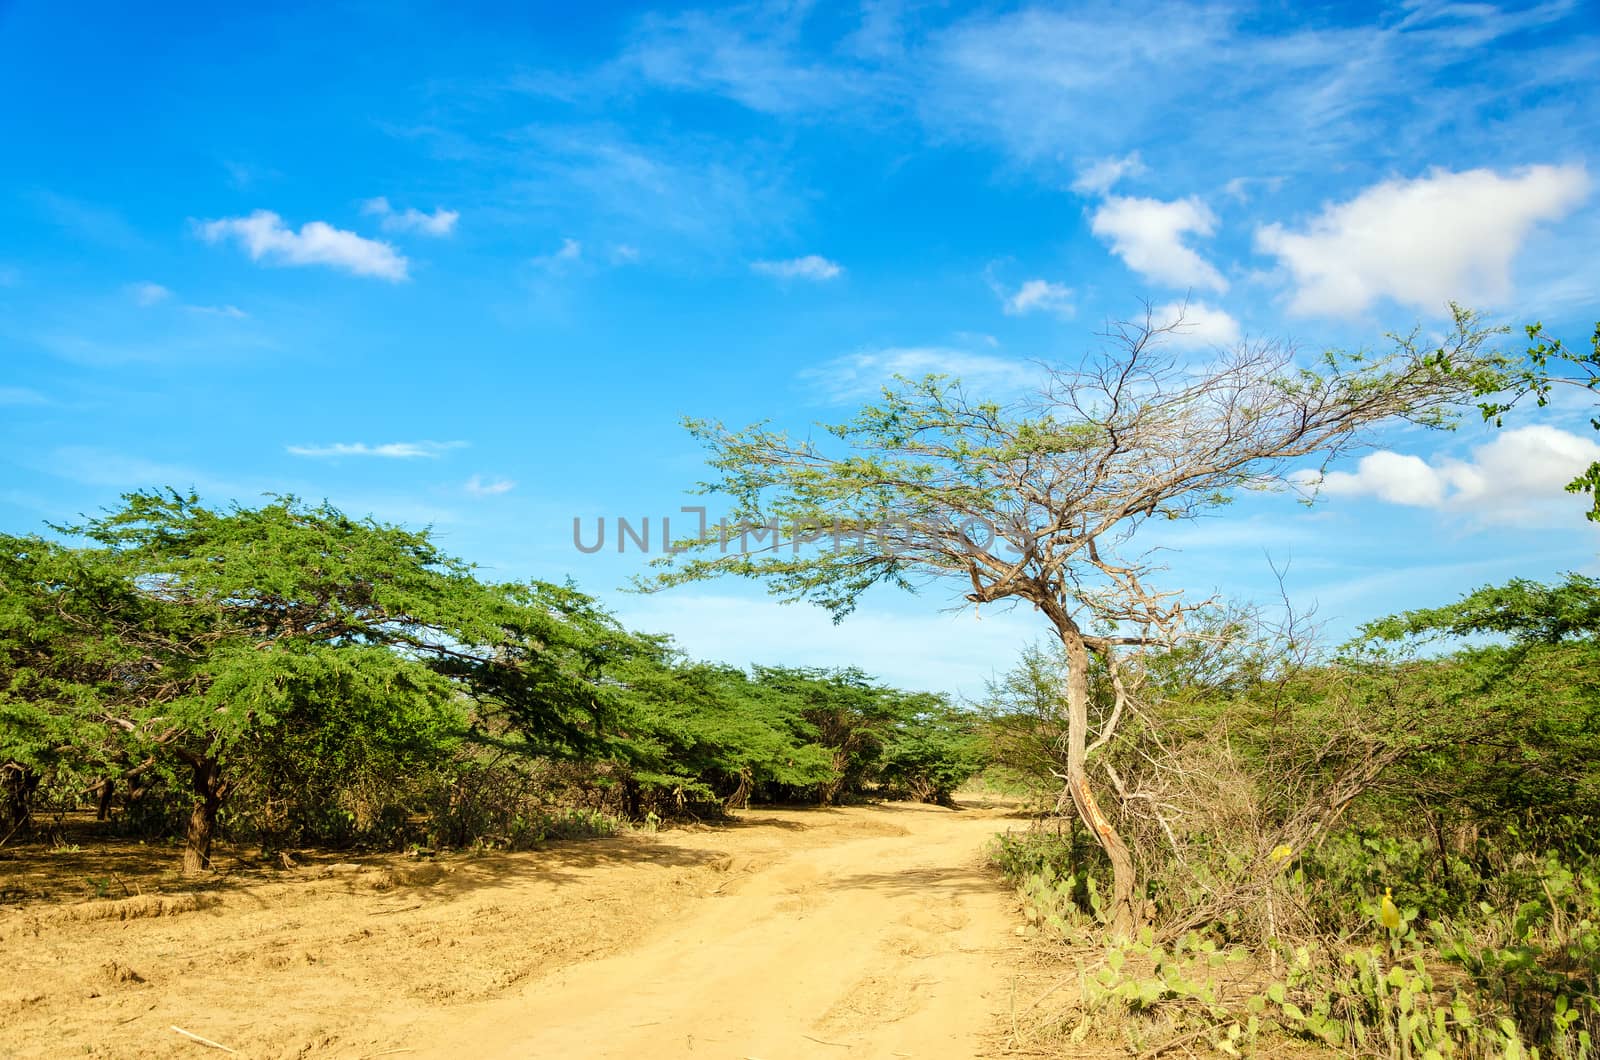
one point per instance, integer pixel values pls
(1040, 500)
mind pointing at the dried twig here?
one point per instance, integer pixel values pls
(203, 1041)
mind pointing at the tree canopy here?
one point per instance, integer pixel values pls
(293, 651)
(1040, 500)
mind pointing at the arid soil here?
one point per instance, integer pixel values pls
(859, 932)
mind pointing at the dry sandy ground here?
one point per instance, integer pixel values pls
(862, 932)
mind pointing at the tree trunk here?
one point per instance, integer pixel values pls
(740, 799)
(18, 783)
(104, 793)
(209, 789)
(828, 790)
(1123, 882)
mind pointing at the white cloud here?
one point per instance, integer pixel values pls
(1421, 242)
(571, 251)
(1203, 325)
(440, 222)
(1147, 234)
(863, 374)
(389, 450)
(1102, 176)
(624, 254)
(810, 267)
(148, 294)
(1511, 478)
(1394, 477)
(1040, 296)
(478, 486)
(265, 237)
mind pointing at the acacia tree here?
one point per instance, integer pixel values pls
(1039, 501)
(246, 627)
(70, 635)
(1518, 742)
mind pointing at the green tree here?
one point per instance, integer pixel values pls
(72, 634)
(1517, 742)
(1038, 501)
(262, 627)
(932, 750)
(849, 714)
(703, 733)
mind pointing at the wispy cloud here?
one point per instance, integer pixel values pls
(148, 294)
(441, 222)
(1239, 188)
(749, 55)
(479, 486)
(232, 312)
(664, 194)
(243, 175)
(21, 395)
(811, 267)
(569, 253)
(387, 450)
(1038, 296)
(266, 238)
(1039, 80)
(1421, 242)
(863, 374)
(1100, 177)
(89, 221)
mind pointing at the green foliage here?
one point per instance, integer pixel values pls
(1547, 363)
(931, 752)
(1536, 954)
(932, 481)
(1526, 611)
(280, 648)
(66, 646)
(291, 675)
(699, 734)
(1447, 901)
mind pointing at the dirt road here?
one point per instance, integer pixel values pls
(863, 932)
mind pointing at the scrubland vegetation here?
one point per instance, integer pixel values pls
(1246, 839)
(288, 676)
(1380, 850)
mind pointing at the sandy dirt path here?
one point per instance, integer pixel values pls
(888, 946)
(872, 931)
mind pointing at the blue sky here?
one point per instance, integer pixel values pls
(468, 265)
